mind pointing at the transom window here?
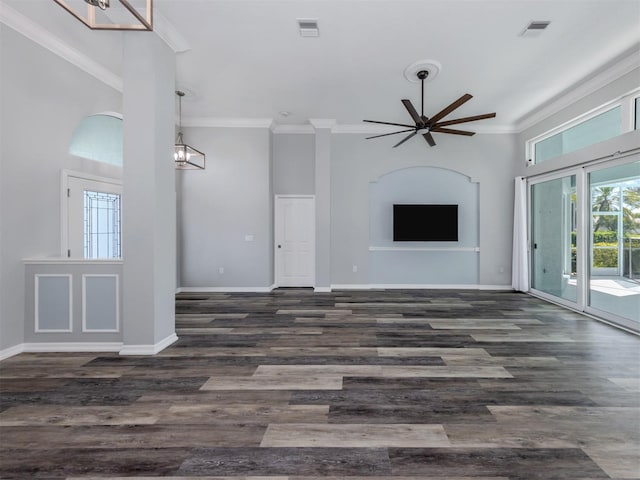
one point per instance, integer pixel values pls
(608, 121)
(593, 130)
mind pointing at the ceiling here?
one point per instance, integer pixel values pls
(245, 59)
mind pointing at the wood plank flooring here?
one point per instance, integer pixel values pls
(348, 385)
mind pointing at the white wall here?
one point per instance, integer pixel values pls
(456, 262)
(486, 159)
(293, 164)
(43, 98)
(231, 199)
(221, 205)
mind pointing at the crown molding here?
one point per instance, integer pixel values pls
(169, 33)
(577, 92)
(294, 129)
(36, 33)
(227, 122)
(322, 122)
(493, 129)
(373, 129)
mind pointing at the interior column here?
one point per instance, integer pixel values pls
(322, 129)
(149, 198)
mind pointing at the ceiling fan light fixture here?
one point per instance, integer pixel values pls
(424, 125)
(185, 157)
(111, 14)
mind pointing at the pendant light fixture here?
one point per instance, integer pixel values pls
(185, 156)
(111, 14)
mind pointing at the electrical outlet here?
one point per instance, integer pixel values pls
(221, 270)
(354, 269)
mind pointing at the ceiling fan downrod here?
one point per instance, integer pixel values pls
(422, 75)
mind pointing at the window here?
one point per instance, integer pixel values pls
(607, 121)
(101, 225)
(91, 221)
(600, 127)
(99, 137)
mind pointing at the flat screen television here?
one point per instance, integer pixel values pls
(425, 223)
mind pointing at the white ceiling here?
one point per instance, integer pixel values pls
(246, 59)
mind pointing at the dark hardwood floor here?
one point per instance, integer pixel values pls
(292, 385)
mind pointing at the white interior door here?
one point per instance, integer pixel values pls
(92, 218)
(295, 240)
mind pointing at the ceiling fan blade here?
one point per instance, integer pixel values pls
(429, 138)
(392, 133)
(443, 113)
(452, 131)
(465, 119)
(390, 123)
(412, 111)
(405, 139)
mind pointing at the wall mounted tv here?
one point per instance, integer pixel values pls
(425, 223)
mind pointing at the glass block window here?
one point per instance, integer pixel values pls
(101, 225)
(596, 129)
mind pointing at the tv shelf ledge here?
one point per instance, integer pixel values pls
(424, 249)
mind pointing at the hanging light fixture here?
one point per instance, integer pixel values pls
(185, 156)
(110, 16)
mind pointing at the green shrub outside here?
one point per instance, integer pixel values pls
(609, 236)
(608, 257)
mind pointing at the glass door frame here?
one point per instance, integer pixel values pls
(578, 173)
(632, 157)
(583, 236)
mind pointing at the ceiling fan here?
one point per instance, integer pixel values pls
(424, 125)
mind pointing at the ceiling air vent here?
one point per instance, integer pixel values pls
(535, 28)
(308, 27)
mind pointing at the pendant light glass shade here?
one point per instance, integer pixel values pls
(185, 157)
(111, 14)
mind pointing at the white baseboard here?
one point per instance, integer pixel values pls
(504, 288)
(11, 351)
(414, 286)
(349, 286)
(148, 349)
(88, 347)
(60, 347)
(225, 289)
(73, 347)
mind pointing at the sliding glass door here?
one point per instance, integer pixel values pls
(553, 237)
(585, 239)
(614, 247)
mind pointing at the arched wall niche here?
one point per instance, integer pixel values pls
(423, 263)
